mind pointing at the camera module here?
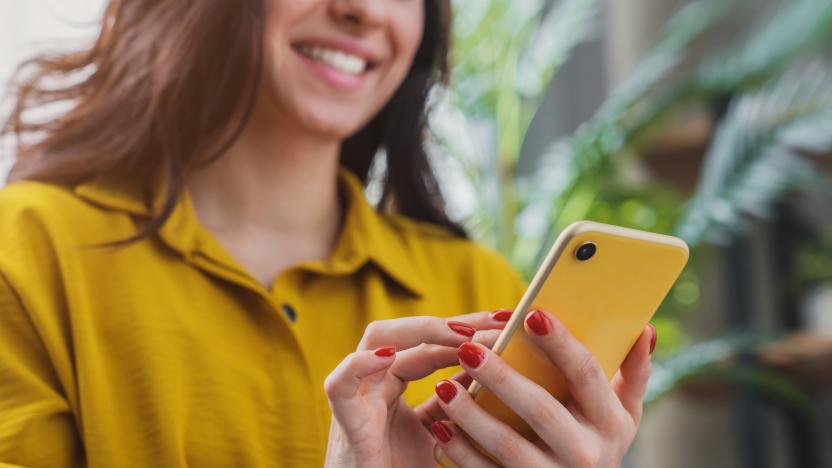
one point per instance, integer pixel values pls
(585, 251)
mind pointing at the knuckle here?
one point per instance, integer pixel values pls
(616, 423)
(586, 457)
(462, 457)
(333, 382)
(588, 370)
(424, 322)
(543, 414)
(499, 375)
(375, 330)
(647, 372)
(331, 386)
(507, 447)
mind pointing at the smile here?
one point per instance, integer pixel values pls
(336, 59)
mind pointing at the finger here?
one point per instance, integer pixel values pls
(549, 419)
(630, 382)
(456, 446)
(430, 411)
(409, 332)
(502, 442)
(486, 338)
(342, 385)
(588, 384)
(486, 320)
(425, 359)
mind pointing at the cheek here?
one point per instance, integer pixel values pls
(407, 36)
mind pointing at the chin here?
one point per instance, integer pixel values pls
(337, 124)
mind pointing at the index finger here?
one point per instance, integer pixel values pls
(408, 332)
(588, 384)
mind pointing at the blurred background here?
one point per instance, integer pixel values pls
(707, 119)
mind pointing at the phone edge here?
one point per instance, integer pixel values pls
(572, 230)
(516, 320)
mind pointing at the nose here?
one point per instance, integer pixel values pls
(362, 13)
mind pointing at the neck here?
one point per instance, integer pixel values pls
(273, 179)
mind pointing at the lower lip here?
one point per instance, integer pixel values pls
(334, 77)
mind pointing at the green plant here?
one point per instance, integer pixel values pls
(814, 264)
(506, 53)
(639, 104)
(717, 360)
(759, 153)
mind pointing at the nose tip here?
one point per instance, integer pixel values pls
(359, 12)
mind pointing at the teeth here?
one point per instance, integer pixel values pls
(341, 61)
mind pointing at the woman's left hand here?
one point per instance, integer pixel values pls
(594, 429)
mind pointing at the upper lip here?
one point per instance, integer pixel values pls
(349, 46)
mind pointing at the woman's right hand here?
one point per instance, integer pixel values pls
(371, 425)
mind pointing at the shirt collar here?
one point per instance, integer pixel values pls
(366, 235)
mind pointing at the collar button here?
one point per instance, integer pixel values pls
(289, 311)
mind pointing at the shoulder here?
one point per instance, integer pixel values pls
(448, 261)
(38, 220)
(26, 205)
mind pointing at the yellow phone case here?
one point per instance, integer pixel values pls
(605, 302)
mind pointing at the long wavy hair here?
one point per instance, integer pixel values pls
(143, 101)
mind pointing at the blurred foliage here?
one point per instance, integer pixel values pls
(759, 153)
(716, 360)
(776, 109)
(814, 264)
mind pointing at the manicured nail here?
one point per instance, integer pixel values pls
(653, 338)
(385, 351)
(539, 323)
(441, 432)
(445, 390)
(501, 315)
(462, 328)
(470, 354)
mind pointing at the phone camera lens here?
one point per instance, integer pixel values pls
(585, 251)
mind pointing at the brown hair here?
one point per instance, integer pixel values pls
(143, 100)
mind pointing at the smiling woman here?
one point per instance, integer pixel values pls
(168, 116)
(190, 273)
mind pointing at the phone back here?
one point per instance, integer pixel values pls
(605, 301)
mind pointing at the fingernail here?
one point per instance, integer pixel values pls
(462, 328)
(501, 315)
(385, 351)
(441, 432)
(470, 354)
(653, 338)
(445, 390)
(539, 323)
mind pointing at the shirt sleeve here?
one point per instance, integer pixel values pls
(37, 427)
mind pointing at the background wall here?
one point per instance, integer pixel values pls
(28, 26)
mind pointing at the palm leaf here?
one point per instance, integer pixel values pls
(560, 28)
(793, 27)
(715, 360)
(756, 156)
(570, 163)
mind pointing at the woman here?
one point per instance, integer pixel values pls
(191, 274)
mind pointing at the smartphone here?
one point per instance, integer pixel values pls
(604, 283)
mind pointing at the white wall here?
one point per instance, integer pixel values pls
(31, 26)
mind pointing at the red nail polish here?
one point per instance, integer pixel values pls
(501, 315)
(653, 338)
(441, 432)
(445, 390)
(462, 328)
(470, 354)
(385, 351)
(539, 323)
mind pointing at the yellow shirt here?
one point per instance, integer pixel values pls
(168, 353)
